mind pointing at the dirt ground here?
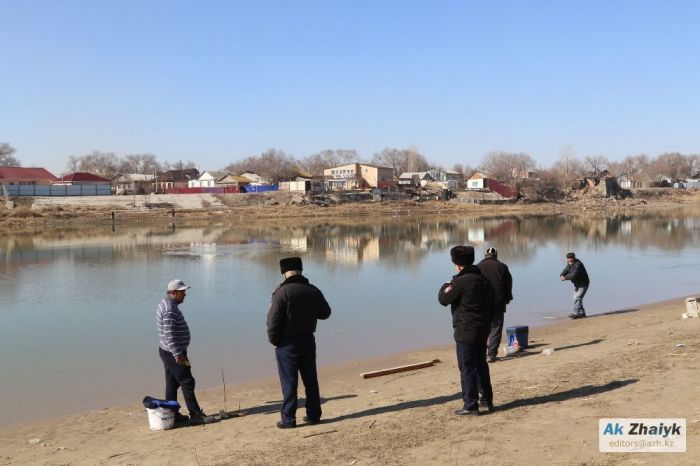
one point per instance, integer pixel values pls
(622, 364)
(276, 207)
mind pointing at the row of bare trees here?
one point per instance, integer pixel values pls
(509, 167)
(639, 167)
(278, 165)
(109, 164)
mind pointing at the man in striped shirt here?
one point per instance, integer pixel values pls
(174, 337)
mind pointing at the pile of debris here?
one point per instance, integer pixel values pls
(536, 191)
(606, 186)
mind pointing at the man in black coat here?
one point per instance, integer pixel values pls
(576, 272)
(470, 297)
(497, 273)
(291, 322)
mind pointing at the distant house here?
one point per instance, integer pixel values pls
(478, 181)
(233, 181)
(693, 182)
(132, 183)
(524, 174)
(79, 178)
(438, 174)
(26, 176)
(358, 176)
(415, 179)
(255, 178)
(173, 179)
(628, 182)
(481, 181)
(206, 179)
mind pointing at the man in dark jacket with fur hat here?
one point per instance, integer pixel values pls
(470, 296)
(497, 273)
(291, 322)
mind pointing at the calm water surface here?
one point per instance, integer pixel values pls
(77, 308)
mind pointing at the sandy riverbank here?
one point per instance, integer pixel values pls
(277, 207)
(622, 364)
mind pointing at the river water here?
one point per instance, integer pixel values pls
(77, 307)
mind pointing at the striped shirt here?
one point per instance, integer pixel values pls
(173, 331)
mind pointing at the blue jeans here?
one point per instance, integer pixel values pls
(298, 356)
(579, 293)
(474, 375)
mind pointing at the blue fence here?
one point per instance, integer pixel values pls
(263, 188)
(58, 190)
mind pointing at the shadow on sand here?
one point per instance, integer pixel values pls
(580, 392)
(525, 352)
(612, 313)
(270, 407)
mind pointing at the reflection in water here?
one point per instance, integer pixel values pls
(87, 297)
(397, 240)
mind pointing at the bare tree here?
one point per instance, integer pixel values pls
(7, 156)
(401, 160)
(177, 165)
(567, 168)
(104, 164)
(328, 158)
(507, 166)
(597, 164)
(633, 166)
(139, 163)
(273, 164)
(672, 164)
(567, 158)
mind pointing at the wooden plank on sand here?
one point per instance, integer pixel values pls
(394, 370)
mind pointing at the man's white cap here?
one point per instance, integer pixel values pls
(177, 285)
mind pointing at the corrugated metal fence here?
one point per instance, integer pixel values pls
(58, 190)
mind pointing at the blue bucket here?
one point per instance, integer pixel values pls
(518, 333)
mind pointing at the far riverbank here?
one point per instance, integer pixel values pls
(199, 210)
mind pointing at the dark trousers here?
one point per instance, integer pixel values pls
(474, 371)
(177, 376)
(298, 356)
(496, 333)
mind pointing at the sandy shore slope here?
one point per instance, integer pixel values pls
(623, 364)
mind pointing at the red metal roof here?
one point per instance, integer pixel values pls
(26, 174)
(82, 176)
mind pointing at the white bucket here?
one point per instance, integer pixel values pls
(161, 419)
(692, 306)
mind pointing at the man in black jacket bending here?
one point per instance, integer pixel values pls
(470, 296)
(497, 273)
(291, 323)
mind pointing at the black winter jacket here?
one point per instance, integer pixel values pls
(497, 273)
(577, 274)
(471, 297)
(295, 307)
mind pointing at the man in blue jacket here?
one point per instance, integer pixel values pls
(576, 273)
(470, 297)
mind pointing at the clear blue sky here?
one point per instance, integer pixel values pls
(215, 81)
